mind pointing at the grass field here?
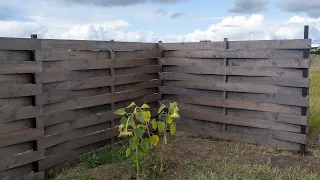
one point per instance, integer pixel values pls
(197, 158)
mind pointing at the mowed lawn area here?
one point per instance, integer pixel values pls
(198, 158)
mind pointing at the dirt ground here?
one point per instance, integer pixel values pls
(190, 156)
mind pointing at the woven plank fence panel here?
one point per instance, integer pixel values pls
(57, 97)
(251, 91)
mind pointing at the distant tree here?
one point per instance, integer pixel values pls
(205, 40)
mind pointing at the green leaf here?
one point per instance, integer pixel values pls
(140, 117)
(154, 139)
(142, 126)
(161, 126)
(141, 151)
(168, 119)
(173, 128)
(128, 152)
(145, 145)
(133, 142)
(154, 123)
(120, 112)
(123, 120)
(121, 126)
(145, 106)
(131, 122)
(161, 108)
(132, 104)
(139, 132)
(171, 108)
(146, 115)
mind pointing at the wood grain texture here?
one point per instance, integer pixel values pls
(21, 159)
(6, 56)
(235, 104)
(14, 79)
(15, 126)
(231, 70)
(7, 91)
(28, 176)
(197, 112)
(137, 70)
(20, 67)
(236, 87)
(176, 61)
(235, 53)
(89, 64)
(281, 63)
(259, 44)
(248, 138)
(20, 137)
(13, 114)
(15, 149)
(52, 44)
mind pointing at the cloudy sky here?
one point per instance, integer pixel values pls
(166, 20)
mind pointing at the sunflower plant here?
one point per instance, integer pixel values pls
(137, 124)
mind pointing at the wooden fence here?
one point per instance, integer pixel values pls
(57, 97)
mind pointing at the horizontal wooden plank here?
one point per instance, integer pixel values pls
(235, 104)
(281, 63)
(197, 112)
(232, 70)
(138, 85)
(89, 64)
(137, 70)
(61, 55)
(15, 149)
(6, 56)
(58, 138)
(280, 81)
(279, 117)
(137, 54)
(235, 87)
(65, 95)
(16, 79)
(190, 92)
(21, 159)
(271, 98)
(176, 61)
(235, 53)
(7, 115)
(248, 138)
(79, 84)
(60, 117)
(198, 123)
(20, 137)
(7, 91)
(17, 172)
(275, 134)
(257, 44)
(8, 103)
(83, 141)
(20, 67)
(48, 77)
(126, 79)
(52, 44)
(95, 100)
(67, 155)
(15, 126)
(258, 98)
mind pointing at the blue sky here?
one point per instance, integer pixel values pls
(166, 20)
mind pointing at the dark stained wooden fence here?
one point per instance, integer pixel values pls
(251, 91)
(57, 97)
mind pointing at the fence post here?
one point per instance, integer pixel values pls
(112, 56)
(225, 80)
(159, 73)
(304, 110)
(37, 123)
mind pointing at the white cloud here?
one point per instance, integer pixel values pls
(233, 27)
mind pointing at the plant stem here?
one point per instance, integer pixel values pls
(164, 137)
(137, 155)
(149, 135)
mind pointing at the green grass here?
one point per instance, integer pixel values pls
(314, 99)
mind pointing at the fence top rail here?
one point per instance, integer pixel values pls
(55, 44)
(252, 44)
